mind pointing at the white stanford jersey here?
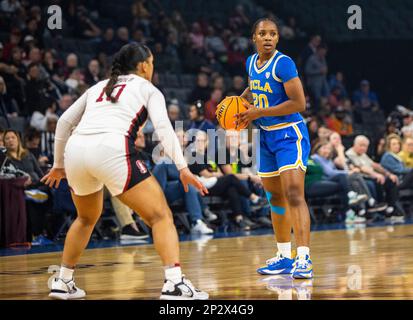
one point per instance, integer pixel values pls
(94, 114)
(123, 117)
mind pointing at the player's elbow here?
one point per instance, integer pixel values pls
(300, 105)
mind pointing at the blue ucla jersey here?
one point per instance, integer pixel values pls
(266, 86)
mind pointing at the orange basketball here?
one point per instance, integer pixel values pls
(227, 109)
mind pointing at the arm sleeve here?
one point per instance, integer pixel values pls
(286, 69)
(163, 128)
(64, 127)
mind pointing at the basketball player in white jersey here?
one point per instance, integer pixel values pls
(100, 153)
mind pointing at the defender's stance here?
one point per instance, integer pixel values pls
(100, 152)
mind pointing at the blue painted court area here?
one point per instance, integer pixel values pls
(97, 244)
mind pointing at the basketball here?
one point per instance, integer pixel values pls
(227, 109)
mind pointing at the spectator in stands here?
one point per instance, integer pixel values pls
(211, 105)
(37, 203)
(202, 90)
(163, 61)
(129, 231)
(237, 88)
(356, 180)
(316, 70)
(141, 16)
(394, 164)
(174, 113)
(197, 38)
(323, 133)
(310, 49)
(322, 154)
(291, 30)
(218, 82)
(47, 138)
(35, 57)
(407, 128)
(72, 63)
(33, 31)
(168, 177)
(378, 178)
(337, 82)
(39, 93)
(108, 45)
(340, 122)
(50, 64)
(84, 27)
(122, 37)
(211, 64)
(229, 187)
(10, 6)
(214, 43)
(92, 74)
(14, 41)
(313, 125)
(238, 163)
(238, 18)
(197, 117)
(64, 103)
(365, 99)
(407, 152)
(32, 143)
(140, 146)
(2, 131)
(75, 80)
(335, 98)
(8, 106)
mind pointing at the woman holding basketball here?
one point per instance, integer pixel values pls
(100, 153)
(278, 97)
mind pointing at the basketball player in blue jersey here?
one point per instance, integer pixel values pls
(278, 97)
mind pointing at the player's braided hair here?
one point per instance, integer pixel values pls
(124, 62)
(254, 27)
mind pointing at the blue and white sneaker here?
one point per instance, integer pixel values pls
(277, 265)
(303, 267)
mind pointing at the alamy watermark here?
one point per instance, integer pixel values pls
(202, 147)
(54, 21)
(354, 277)
(355, 21)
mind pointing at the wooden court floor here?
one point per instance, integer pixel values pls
(372, 263)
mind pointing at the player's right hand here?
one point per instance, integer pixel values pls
(53, 178)
(187, 178)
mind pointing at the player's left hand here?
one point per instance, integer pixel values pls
(53, 178)
(244, 118)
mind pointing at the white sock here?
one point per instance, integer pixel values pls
(285, 249)
(66, 274)
(174, 274)
(303, 251)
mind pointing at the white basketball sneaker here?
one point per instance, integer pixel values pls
(65, 290)
(183, 290)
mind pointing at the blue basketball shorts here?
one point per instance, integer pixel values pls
(284, 148)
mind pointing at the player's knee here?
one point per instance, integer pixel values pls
(294, 196)
(160, 215)
(87, 221)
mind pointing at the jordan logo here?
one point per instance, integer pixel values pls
(286, 136)
(141, 166)
(267, 75)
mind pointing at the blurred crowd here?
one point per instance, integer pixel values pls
(367, 169)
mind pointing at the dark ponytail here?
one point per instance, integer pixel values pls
(124, 62)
